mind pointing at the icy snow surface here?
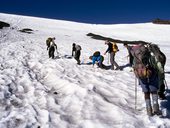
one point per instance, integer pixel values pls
(36, 91)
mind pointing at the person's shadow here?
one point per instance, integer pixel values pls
(86, 63)
(106, 67)
(63, 57)
(103, 66)
(57, 57)
(168, 72)
(125, 66)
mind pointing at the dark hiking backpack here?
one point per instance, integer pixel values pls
(48, 41)
(160, 56)
(141, 62)
(158, 59)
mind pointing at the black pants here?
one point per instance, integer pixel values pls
(130, 59)
(77, 56)
(161, 89)
(51, 52)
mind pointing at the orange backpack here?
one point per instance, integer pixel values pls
(115, 47)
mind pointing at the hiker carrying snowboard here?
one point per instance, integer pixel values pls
(51, 46)
(97, 59)
(147, 76)
(76, 52)
(112, 52)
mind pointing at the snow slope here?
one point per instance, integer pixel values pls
(36, 91)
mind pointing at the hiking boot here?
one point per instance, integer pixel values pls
(78, 62)
(117, 69)
(112, 68)
(162, 96)
(120, 68)
(156, 109)
(149, 111)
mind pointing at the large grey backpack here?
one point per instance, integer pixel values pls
(141, 62)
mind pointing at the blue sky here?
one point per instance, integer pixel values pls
(91, 11)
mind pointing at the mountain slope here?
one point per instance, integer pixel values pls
(38, 91)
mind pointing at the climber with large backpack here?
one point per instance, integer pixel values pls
(97, 59)
(147, 76)
(159, 59)
(112, 49)
(51, 46)
(76, 52)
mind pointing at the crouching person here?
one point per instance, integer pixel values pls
(97, 59)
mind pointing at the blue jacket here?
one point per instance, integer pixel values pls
(96, 59)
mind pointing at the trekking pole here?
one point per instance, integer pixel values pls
(135, 93)
(108, 59)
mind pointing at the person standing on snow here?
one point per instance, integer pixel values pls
(130, 55)
(51, 46)
(76, 52)
(112, 55)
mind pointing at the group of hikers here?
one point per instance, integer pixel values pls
(98, 58)
(147, 61)
(51, 47)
